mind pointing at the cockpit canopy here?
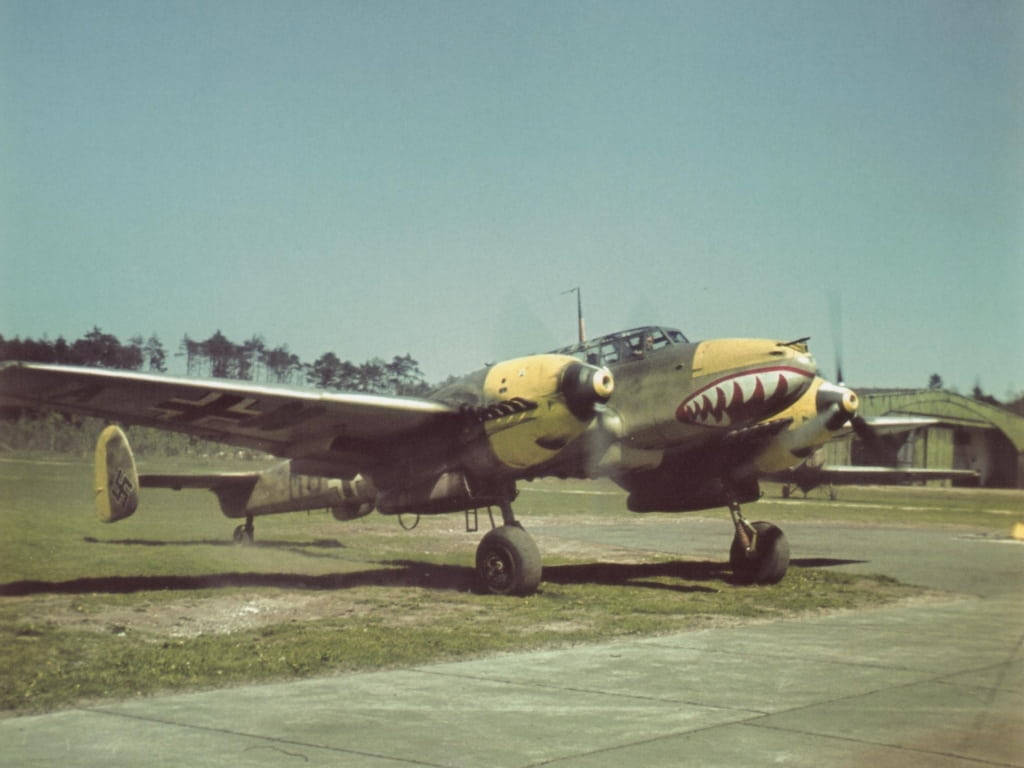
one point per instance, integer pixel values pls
(624, 346)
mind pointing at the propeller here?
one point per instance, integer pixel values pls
(835, 307)
(873, 442)
(585, 386)
(867, 434)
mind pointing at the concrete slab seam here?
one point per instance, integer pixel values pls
(782, 657)
(593, 692)
(868, 742)
(271, 739)
(641, 742)
(754, 722)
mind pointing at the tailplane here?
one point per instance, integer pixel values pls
(267, 491)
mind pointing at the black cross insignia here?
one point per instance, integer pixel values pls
(212, 405)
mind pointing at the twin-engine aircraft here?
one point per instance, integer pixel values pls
(679, 425)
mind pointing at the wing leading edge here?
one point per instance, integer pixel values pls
(347, 429)
(854, 474)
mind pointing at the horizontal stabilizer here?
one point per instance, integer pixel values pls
(233, 489)
(211, 482)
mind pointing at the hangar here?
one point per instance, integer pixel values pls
(955, 432)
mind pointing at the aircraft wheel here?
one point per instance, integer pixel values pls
(243, 535)
(508, 561)
(769, 561)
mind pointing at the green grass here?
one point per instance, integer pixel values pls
(49, 667)
(163, 601)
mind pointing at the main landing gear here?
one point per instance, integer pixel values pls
(507, 559)
(759, 552)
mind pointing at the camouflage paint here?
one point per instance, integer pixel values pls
(529, 438)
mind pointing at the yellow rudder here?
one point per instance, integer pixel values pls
(116, 478)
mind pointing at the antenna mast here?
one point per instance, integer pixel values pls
(579, 311)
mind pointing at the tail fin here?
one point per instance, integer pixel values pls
(116, 478)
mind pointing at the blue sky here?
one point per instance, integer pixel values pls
(382, 178)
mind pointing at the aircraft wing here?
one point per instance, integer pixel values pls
(854, 475)
(808, 477)
(346, 431)
(888, 425)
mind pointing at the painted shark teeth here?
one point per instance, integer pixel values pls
(744, 396)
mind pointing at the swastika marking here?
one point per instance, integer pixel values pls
(121, 488)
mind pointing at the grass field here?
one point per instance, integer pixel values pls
(164, 601)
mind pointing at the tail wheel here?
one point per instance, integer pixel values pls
(768, 563)
(508, 561)
(245, 534)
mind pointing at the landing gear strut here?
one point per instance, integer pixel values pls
(759, 552)
(245, 534)
(507, 559)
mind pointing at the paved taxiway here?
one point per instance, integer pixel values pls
(937, 682)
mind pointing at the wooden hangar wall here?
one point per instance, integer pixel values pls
(965, 434)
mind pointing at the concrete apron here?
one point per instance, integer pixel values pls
(932, 683)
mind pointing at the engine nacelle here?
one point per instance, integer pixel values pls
(448, 492)
(671, 494)
(560, 393)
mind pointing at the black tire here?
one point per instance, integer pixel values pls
(508, 562)
(770, 559)
(243, 537)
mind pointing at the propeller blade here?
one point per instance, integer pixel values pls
(835, 307)
(873, 442)
(863, 429)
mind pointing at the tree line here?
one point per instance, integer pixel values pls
(95, 349)
(219, 357)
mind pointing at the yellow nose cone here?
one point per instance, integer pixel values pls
(850, 402)
(604, 384)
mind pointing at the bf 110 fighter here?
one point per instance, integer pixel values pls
(679, 425)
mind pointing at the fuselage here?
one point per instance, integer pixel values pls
(670, 398)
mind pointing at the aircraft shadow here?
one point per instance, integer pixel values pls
(315, 543)
(822, 562)
(406, 573)
(640, 574)
(426, 574)
(304, 548)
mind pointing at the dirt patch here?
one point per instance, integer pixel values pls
(188, 617)
(193, 616)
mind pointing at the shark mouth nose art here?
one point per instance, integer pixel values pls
(744, 396)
